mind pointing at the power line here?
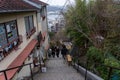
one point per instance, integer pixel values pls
(47, 1)
(70, 2)
(64, 5)
(62, 8)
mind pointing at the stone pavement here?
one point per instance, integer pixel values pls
(57, 69)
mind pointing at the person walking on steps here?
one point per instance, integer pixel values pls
(53, 51)
(57, 51)
(64, 51)
(49, 52)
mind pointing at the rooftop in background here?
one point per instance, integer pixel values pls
(18, 5)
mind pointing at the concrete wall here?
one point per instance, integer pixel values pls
(44, 22)
(90, 75)
(39, 22)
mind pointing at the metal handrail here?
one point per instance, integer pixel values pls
(109, 67)
(15, 67)
(4, 71)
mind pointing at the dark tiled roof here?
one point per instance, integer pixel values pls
(15, 5)
(38, 2)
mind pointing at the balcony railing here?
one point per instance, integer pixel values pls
(28, 35)
(7, 49)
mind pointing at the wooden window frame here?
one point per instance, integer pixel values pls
(18, 39)
(31, 31)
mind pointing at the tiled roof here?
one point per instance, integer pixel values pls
(38, 2)
(15, 5)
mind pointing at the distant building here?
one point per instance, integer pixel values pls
(55, 21)
(23, 32)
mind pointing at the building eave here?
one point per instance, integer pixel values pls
(11, 11)
(33, 4)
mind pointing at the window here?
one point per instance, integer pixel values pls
(43, 13)
(11, 31)
(29, 25)
(8, 33)
(9, 38)
(31, 22)
(3, 39)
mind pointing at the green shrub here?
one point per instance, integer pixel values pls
(112, 62)
(95, 55)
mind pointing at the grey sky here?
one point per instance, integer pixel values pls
(56, 2)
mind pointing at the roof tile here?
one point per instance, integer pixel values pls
(15, 5)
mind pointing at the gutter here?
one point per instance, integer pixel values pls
(9, 11)
(33, 4)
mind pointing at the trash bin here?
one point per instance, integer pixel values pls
(43, 69)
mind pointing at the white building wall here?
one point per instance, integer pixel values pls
(44, 22)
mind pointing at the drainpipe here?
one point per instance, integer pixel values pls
(38, 34)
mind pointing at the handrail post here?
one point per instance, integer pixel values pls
(5, 75)
(86, 70)
(109, 74)
(31, 71)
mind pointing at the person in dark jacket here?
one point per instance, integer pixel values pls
(49, 52)
(57, 51)
(64, 51)
(53, 51)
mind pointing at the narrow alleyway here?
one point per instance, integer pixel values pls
(57, 69)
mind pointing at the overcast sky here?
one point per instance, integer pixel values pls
(56, 2)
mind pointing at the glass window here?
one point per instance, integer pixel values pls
(8, 37)
(11, 30)
(3, 39)
(42, 12)
(29, 24)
